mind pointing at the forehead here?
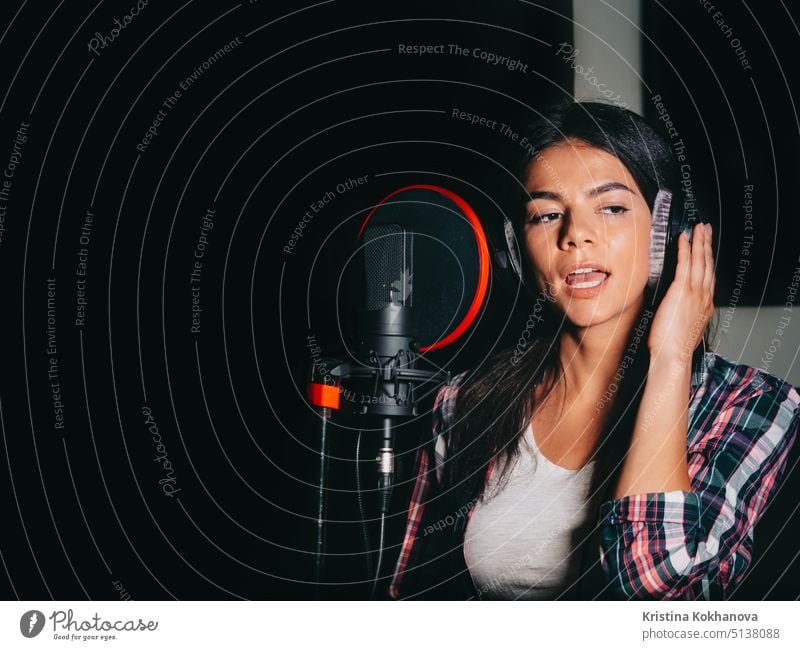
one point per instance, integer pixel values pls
(574, 166)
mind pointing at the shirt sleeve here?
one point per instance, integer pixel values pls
(669, 545)
(425, 475)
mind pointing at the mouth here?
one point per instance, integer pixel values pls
(585, 280)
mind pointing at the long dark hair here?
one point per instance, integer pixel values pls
(495, 402)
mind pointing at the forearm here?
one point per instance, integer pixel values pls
(656, 459)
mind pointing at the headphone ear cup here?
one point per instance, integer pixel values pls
(512, 249)
(669, 220)
(661, 228)
(506, 267)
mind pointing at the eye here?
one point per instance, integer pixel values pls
(542, 218)
(614, 209)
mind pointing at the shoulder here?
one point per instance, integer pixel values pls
(445, 402)
(729, 384)
(443, 409)
(746, 411)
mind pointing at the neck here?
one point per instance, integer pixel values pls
(591, 355)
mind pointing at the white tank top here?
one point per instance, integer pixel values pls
(526, 541)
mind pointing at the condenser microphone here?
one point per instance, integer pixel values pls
(386, 346)
(415, 284)
(386, 322)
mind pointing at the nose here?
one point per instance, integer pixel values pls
(578, 229)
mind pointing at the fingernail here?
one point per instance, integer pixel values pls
(708, 228)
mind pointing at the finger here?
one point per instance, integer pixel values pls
(713, 286)
(713, 283)
(684, 257)
(698, 254)
(709, 255)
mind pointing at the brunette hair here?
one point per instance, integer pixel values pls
(495, 402)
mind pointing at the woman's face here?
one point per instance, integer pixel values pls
(586, 212)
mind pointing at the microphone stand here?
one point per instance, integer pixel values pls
(323, 394)
(319, 547)
(390, 381)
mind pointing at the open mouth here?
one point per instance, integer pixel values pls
(585, 279)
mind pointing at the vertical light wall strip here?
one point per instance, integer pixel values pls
(607, 51)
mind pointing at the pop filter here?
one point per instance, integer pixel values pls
(445, 244)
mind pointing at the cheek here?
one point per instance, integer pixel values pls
(540, 252)
(629, 250)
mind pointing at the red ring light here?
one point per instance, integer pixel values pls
(483, 258)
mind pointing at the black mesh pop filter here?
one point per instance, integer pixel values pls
(444, 243)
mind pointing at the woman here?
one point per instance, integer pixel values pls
(611, 456)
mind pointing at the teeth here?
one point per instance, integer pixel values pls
(584, 270)
(587, 285)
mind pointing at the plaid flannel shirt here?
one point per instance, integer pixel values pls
(672, 545)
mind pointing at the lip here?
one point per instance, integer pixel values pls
(593, 264)
(589, 292)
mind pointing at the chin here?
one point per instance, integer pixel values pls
(595, 312)
(586, 318)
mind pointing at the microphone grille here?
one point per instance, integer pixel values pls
(388, 254)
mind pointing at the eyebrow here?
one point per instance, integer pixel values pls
(595, 191)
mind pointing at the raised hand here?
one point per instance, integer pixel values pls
(688, 305)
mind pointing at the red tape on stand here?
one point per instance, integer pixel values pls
(324, 395)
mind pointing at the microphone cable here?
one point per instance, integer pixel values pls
(376, 579)
(361, 509)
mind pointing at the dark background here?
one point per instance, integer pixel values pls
(309, 99)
